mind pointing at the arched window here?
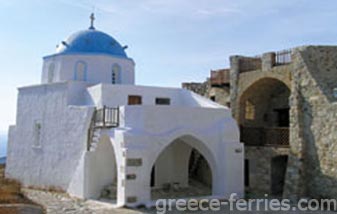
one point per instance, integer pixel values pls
(116, 74)
(81, 71)
(51, 71)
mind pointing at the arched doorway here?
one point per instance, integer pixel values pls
(264, 113)
(182, 170)
(103, 171)
(264, 118)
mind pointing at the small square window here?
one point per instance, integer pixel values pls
(163, 101)
(134, 100)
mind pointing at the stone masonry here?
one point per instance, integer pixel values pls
(310, 75)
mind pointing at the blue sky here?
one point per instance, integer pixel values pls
(171, 41)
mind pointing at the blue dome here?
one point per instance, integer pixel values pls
(91, 41)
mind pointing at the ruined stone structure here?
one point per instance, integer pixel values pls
(216, 87)
(285, 104)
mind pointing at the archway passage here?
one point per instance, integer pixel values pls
(103, 171)
(264, 113)
(181, 171)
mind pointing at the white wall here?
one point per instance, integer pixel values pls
(172, 165)
(148, 130)
(145, 131)
(117, 95)
(102, 167)
(98, 68)
(63, 137)
(160, 119)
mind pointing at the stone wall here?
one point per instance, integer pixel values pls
(242, 82)
(260, 167)
(313, 165)
(218, 94)
(267, 87)
(199, 88)
(311, 77)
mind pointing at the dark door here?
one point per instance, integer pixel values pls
(278, 173)
(246, 173)
(283, 117)
(153, 176)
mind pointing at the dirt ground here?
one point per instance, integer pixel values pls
(11, 195)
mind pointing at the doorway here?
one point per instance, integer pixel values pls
(278, 172)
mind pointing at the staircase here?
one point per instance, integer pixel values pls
(104, 118)
(96, 133)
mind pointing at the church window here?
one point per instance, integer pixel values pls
(37, 133)
(81, 71)
(116, 74)
(163, 101)
(51, 70)
(249, 110)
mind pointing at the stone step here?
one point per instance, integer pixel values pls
(95, 139)
(109, 191)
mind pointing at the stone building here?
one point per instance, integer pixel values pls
(215, 88)
(285, 104)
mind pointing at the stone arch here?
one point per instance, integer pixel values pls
(255, 79)
(188, 143)
(265, 94)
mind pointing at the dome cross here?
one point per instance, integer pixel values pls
(92, 20)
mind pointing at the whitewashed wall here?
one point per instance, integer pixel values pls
(117, 95)
(98, 68)
(213, 132)
(63, 137)
(65, 111)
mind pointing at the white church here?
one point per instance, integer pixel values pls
(89, 131)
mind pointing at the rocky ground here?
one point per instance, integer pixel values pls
(58, 203)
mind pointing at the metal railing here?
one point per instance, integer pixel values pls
(106, 117)
(283, 57)
(103, 118)
(256, 136)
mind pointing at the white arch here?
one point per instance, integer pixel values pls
(194, 143)
(103, 167)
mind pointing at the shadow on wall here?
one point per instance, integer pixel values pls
(318, 164)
